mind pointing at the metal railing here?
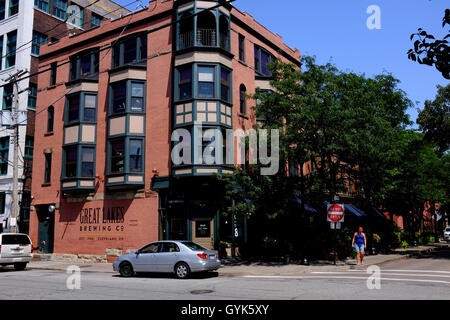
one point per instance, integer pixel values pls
(205, 38)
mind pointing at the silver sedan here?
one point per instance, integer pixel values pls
(179, 257)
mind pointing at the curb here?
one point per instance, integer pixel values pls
(85, 268)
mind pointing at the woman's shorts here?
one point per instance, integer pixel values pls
(359, 247)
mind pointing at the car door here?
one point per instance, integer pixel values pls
(168, 256)
(145, 260)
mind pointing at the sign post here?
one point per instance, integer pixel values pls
(335, 215)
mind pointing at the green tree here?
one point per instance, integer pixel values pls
(429, 51)
(434, 119)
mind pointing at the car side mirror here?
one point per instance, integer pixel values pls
(137, 252)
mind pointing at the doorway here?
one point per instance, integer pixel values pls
(46, 229)
(203, 233)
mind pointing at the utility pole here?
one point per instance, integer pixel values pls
(15, 138)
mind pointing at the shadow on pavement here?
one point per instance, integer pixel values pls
(158, 275)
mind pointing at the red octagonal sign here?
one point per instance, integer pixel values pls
(335, 212)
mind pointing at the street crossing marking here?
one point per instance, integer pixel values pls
(390, 274)
(350, 277)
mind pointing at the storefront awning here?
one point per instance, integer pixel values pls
(351, 209)
(308, 207)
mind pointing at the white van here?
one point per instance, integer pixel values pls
(15, 249)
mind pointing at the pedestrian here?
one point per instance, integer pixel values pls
(359, 243)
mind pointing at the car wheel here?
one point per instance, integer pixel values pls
(126, 269)
(20, 266)
(182, 270)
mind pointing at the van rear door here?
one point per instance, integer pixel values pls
(15, 245)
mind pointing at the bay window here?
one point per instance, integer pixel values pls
(127, 96)
(126, 155)
(130, 50)
(185, 83)
(209, 82)
(81, 107)
(79, 161)
(84, 64)
(206, 82)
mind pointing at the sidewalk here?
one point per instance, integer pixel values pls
(233, 268)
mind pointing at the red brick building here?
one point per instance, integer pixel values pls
(108, 103)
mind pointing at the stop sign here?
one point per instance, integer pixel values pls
(335, 212)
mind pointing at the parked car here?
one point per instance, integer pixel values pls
(179, 257)
(15, 249)
(447, 234)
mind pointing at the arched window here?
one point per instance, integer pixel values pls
(186, 39)
(224, 33)
(50, 118)
(206, 29)
(242, 99)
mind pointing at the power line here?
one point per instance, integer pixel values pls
(109, 47)
(20, 48)
(45, 32)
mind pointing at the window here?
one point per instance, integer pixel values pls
(117, 158)
(32, 96)
(242, 99)
(1, 52)
(169, 247)
(206, 82)
(71, 156)
(11, 48)
(96, 20)
(262, 59)
(136, 155)
(87, 161)
(4, 153)
(42, 5)
(2, 202)
(241, 48)
(73, 108)
(185, 83)
(50, 118)
(81, 107)
(13, 7)
(8, 96)
(126, 155)
(225, 84)
(60, 9)
(127, 96)
(76, 15)
(48, 167)
(53, 69)
(29, 147)
(2, 9)
(38, 39)
(90, 106)
(119, 97)
(151, 248)
(84, 64)
(137, 96)
(130, 50)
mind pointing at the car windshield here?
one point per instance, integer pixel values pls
(448, 229)
(193, 246)
(15, 239)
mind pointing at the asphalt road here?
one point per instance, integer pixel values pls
(414, 278)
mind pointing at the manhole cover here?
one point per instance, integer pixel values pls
(201, 291)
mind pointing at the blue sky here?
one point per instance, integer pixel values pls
(336, 31)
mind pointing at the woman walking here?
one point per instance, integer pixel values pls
(359, 242)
